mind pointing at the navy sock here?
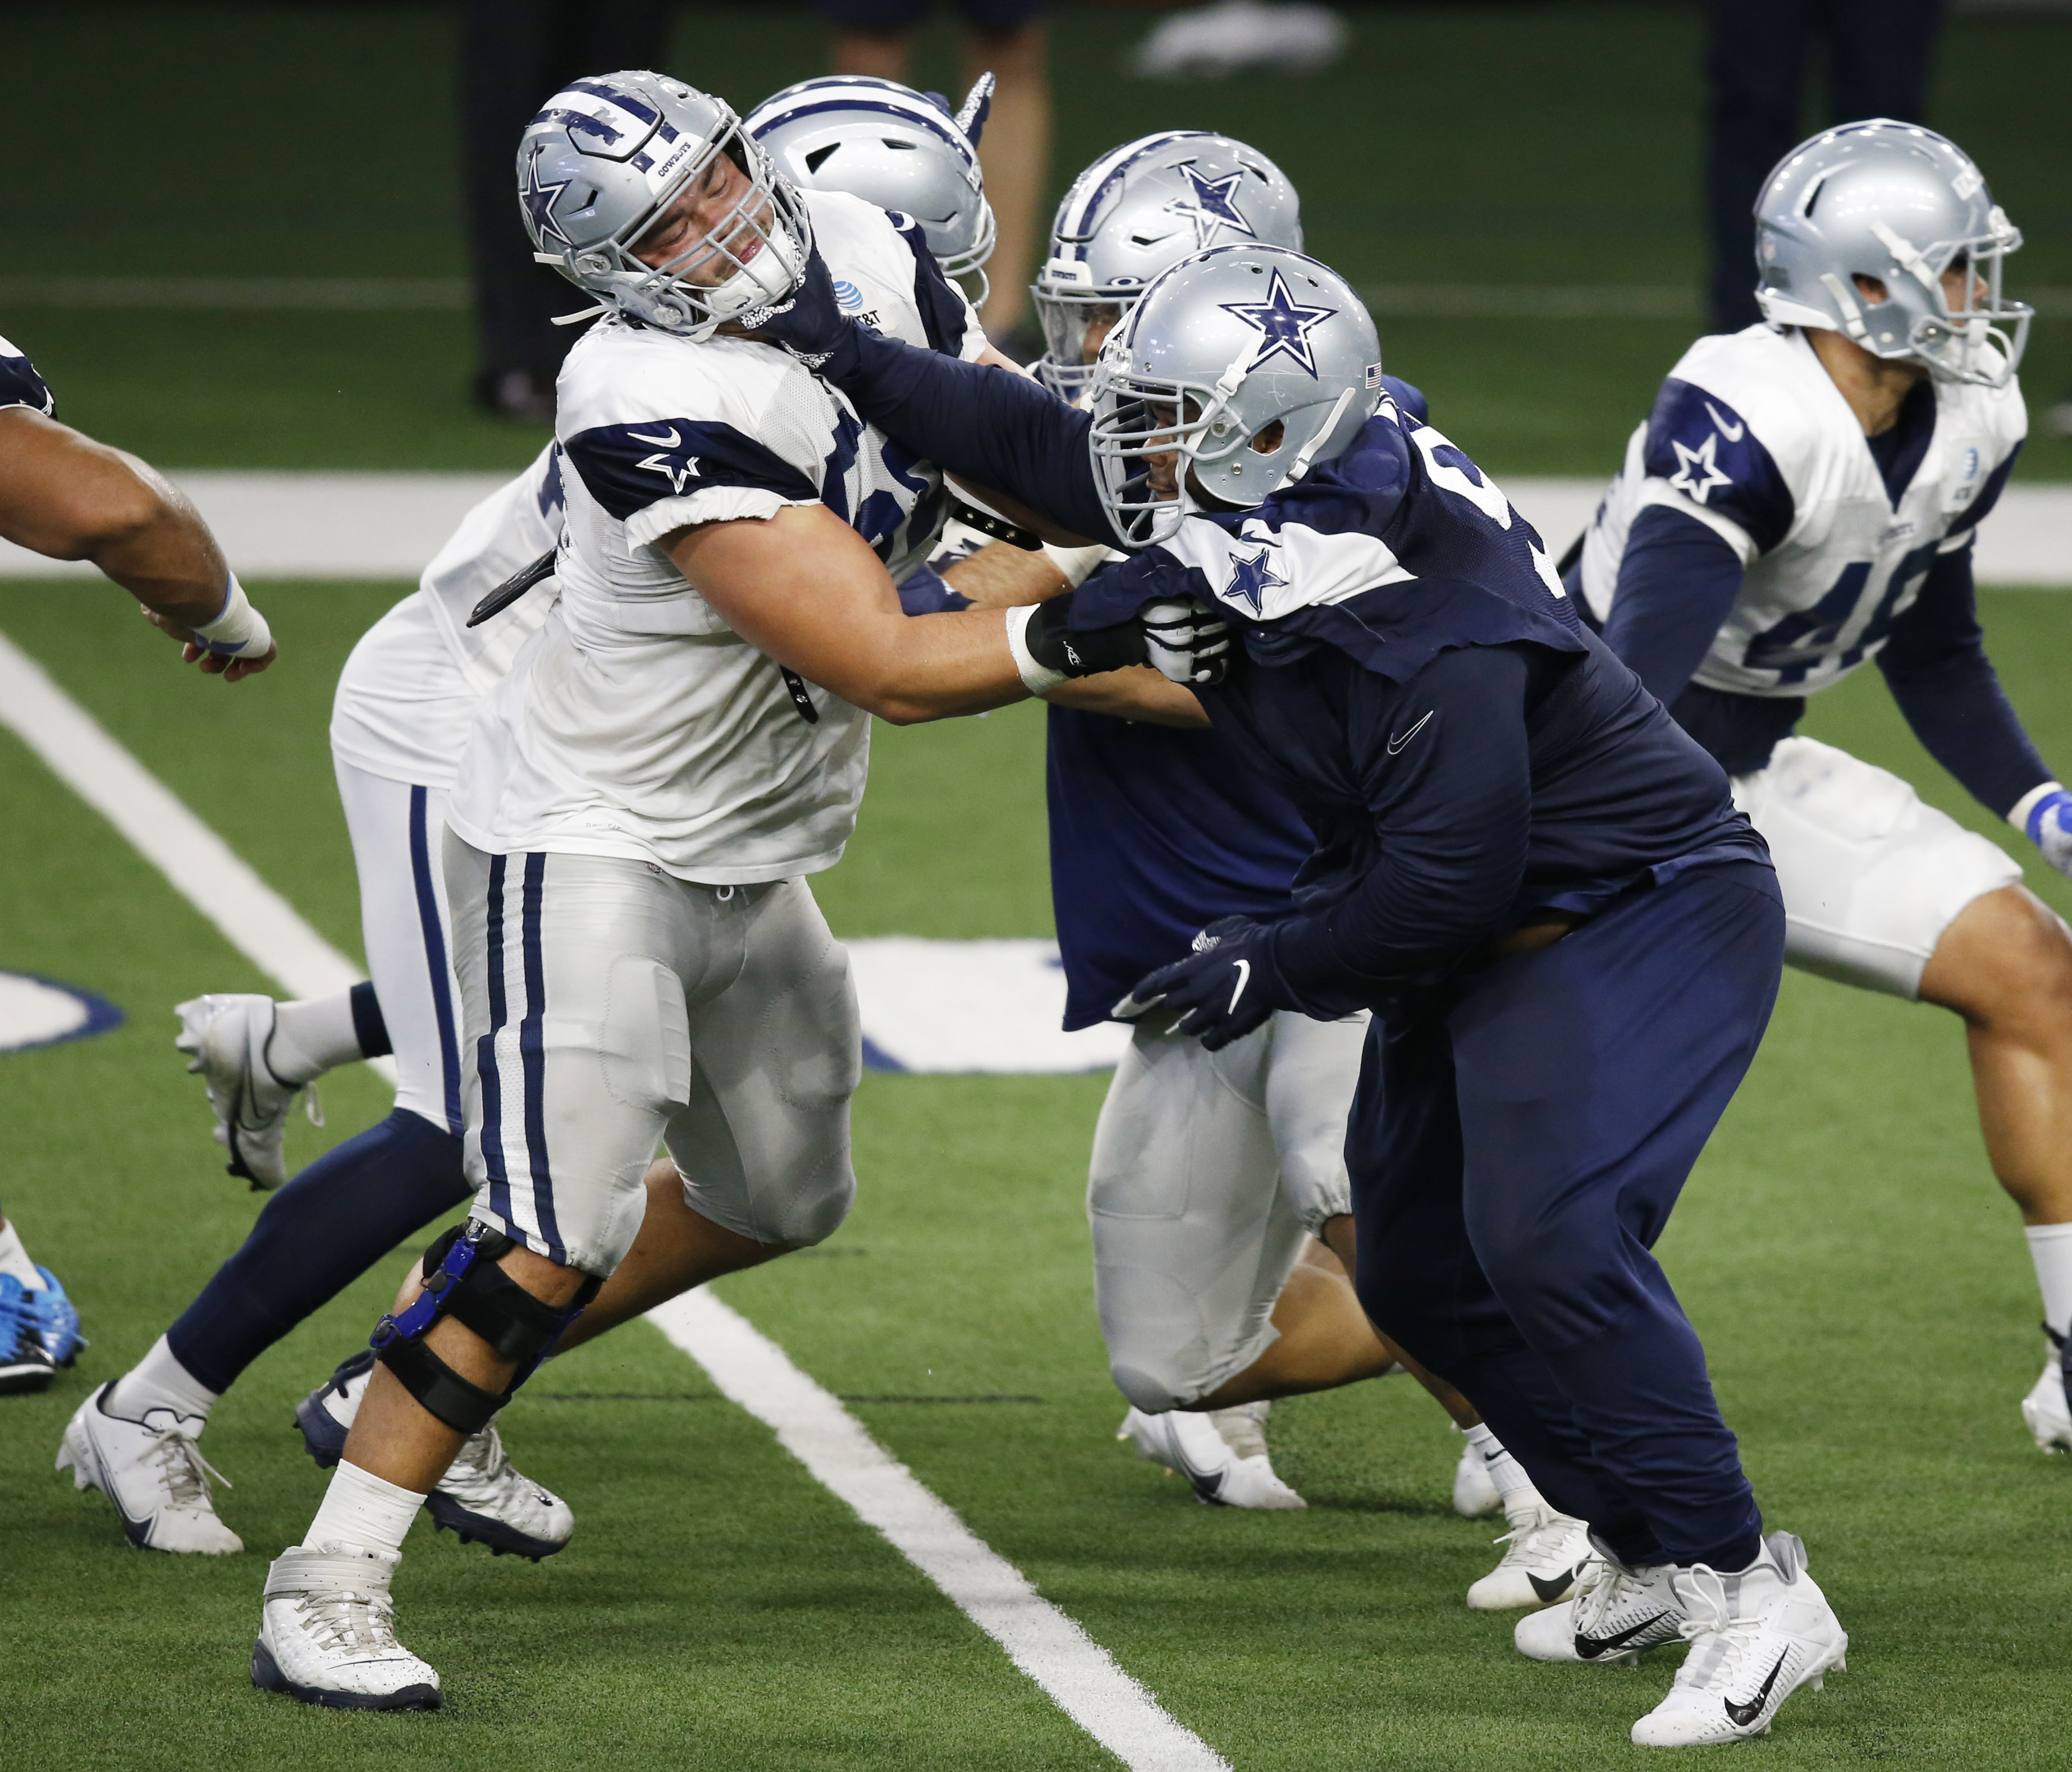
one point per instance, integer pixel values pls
(368, 1025)
(322, 1230)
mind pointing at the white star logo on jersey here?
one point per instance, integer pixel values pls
(1284, 324)
(1697, 472)
(539, 201)
(675, 476)
(1211, 208)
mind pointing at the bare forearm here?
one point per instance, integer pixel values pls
(935, 667)
(1002, 577)
(1138, 693)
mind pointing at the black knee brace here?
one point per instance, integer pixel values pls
(462, 1279)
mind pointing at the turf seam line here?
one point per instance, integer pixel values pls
(1052, 1649)
(198, 864)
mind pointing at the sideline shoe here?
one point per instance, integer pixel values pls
(1756, 1638)
(1475, 1493)
(482, 1497)
(1187, 1443)
(224, 1035)
(1617, 1615)
(327, 1634)
(153, 1472)
(2044, 1409)
(26, 1365)
(1546, 1554)
(56, 1320)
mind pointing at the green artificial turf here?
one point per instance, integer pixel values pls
(1861, 1284)
(1516, 145)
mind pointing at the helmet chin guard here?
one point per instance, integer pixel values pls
(606, 156)
(1221, 348)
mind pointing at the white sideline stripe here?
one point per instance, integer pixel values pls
(1080, 1676)
(360, 525)
(201, 867)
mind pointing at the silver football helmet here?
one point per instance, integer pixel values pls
(1901, 204)
(1220, 350)
(892, 146)
(606, 156)
(1136, 210)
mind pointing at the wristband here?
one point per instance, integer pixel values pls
(239, 630)
(1035, 678)
(2026, 814)
(1076, 563)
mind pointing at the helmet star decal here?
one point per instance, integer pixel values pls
(1284, 322)
(1211, 207)
(1252, 579)
(539, 201)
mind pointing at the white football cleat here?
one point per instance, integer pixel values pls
(1476, 1495)
(327, 1634)
(225, 1036)
(1546, 1551)
(154, 1474)
(1186, 1442)
(1618, 1614)
(1756, 1638)
(2045, 1410)
(482, 1497)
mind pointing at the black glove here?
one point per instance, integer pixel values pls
(809, 324)
(1057, 646)
(1219, 992)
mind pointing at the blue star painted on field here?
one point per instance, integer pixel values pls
(539, 201)
(1211, 208)
(1284, 324)
(1252, 579)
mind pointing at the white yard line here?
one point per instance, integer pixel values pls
(1081, 1677)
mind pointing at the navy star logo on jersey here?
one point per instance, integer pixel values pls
(1283, 322)
(539, 201)
(1252, 579)
(1211, 207)
(1697, 473)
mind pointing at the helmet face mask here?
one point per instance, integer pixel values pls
(1237, 368)
(1897, 206)
(1133, 214)
(893, 147)
(603, 166)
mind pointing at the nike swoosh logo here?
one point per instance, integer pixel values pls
(1733, 433)
(1395, 743)
(1551, 1591)
(1243, 978)
(1741, 1715)
(1589, 1648)
(670, 441)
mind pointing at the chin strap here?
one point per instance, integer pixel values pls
(1316, 440)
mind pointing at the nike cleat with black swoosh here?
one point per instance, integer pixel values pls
(1756, 1638)
(1189, 1444)
(1617, 1615)
(1544, 1553)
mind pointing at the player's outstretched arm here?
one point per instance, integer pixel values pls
(66, 496)
(805, 588)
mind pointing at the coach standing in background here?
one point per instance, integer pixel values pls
(876, 38)
(1878, 53)
(513, 55)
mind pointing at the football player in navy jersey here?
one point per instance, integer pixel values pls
(1569, 937)
(1802, 499)
(1218, 1179)
(64, 496)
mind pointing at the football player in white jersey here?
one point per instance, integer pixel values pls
(1802, 499)
(639, 958)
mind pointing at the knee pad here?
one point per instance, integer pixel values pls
(461, 1279)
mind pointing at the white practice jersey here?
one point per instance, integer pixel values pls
(638, 724)
(1751, 437)
(410, 691)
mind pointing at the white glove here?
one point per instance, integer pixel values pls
(2045, 815)
(1188, 642)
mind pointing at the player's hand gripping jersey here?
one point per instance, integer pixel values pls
(639, 724)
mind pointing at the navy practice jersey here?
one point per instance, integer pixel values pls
(1157, 833)
(20, 385)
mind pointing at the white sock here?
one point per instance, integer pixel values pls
(159, 1381)
(1506, 1472)
(363, 1509)
(2050, 1248)
(312, 1036)
(14, 1259)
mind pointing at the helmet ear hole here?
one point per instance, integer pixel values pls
(1267, 437)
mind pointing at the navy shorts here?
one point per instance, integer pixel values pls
(885, 17)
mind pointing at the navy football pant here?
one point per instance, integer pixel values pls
(319, 1234)
(1515, 1152)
